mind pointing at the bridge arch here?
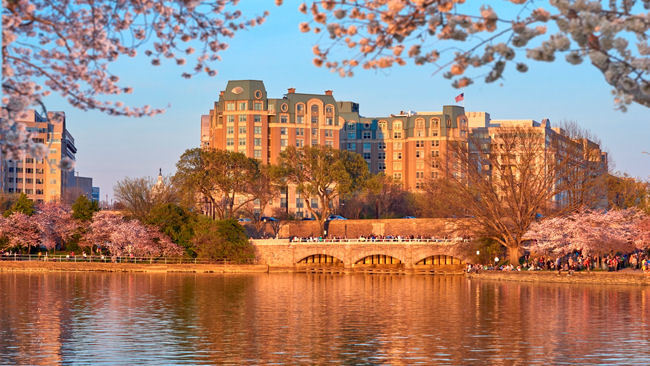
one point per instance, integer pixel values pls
(320, 259)
(439, 260)
(377, 259)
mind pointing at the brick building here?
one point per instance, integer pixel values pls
(412, 147)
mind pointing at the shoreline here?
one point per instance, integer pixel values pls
(625, 277)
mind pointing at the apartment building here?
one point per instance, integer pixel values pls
(42, 180)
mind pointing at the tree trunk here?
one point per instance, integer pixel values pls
(514, 255)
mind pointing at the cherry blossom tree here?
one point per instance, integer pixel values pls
(592, 232)
(123, 237)
(67, 46)
(20, 230)
(55, 224)
(456, 36)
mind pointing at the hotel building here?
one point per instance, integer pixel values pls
(411, 147)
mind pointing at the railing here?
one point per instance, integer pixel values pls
(395, 240)
(118, 259)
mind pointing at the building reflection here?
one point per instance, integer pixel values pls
(186, 318)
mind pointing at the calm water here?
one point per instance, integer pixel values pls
(94, 318)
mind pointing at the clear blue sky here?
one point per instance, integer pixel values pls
(111, 148)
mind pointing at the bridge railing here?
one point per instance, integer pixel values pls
(395, 240)
(117, 259)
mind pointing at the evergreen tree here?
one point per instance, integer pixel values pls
(83, 209)
(23, 205)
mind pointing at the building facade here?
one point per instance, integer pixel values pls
(411, 147)
(42, 180)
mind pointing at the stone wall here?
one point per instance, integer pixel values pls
(52, 266)
(436, 227)
(600, 278)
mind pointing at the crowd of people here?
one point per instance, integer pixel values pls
(374, 238)
(575, 261)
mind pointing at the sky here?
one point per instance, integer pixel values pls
(112, 148)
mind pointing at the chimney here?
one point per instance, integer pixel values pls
(221, 93)
(328, 92)
(291, 90)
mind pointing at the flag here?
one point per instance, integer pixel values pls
(460, 97)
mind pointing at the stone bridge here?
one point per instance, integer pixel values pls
(350, 253)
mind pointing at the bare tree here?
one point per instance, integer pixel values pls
(506, 181)
(139, 195)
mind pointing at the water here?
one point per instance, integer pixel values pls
(128, 318)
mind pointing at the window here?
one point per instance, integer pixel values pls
(397, 176)
(257, 141)
(329, 110)
(300, 119)
(242, 106)
(52, 181)
(39, 191)
(397, 134)
(352, 146)
(257, 130)
(242, 130)
(329, 133)
(350, 126)
(435, 153)
(258, 94)
(435, 164)
(419, 185)
(257, 118)
(300, 132)
(419, 154)
(397, 155)
(52, 170)
(29, 160)
(434, 175)
(352, 135)
(299, 202)
(283, 142)
(300, 108)
(314, 203)
(314, 142)
(314, 131)
(435, 143)
(367, 156)
(29, 180)
(367, 135)
(397, 146)
(419, 143)
(271, 107)
(381, 146)
(257, 106)
(230, 118)
(329, 121)
(367, 146)
(230, 106)
(419, 165)
(435, 123)
(284, 118)
(419, 175)
(29, 170)
(230, 130)
(257, 154)
(242, 118)
(314, 110)
(300, 143)
(52, 162)
(381, 155)
(329, 143)
(284, 107)
(242, 141)
(283, 131)
(39, 181)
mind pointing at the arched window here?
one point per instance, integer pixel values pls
(397, 125)
(329, 110)
(300, 108)
(419, 123)
(314, 110)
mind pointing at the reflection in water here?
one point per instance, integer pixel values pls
(260, 318)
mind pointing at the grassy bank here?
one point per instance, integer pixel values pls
(41, 266)
(627, 277)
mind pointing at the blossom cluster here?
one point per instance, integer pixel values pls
(389, 32)
(592, 232)
(66, 47)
